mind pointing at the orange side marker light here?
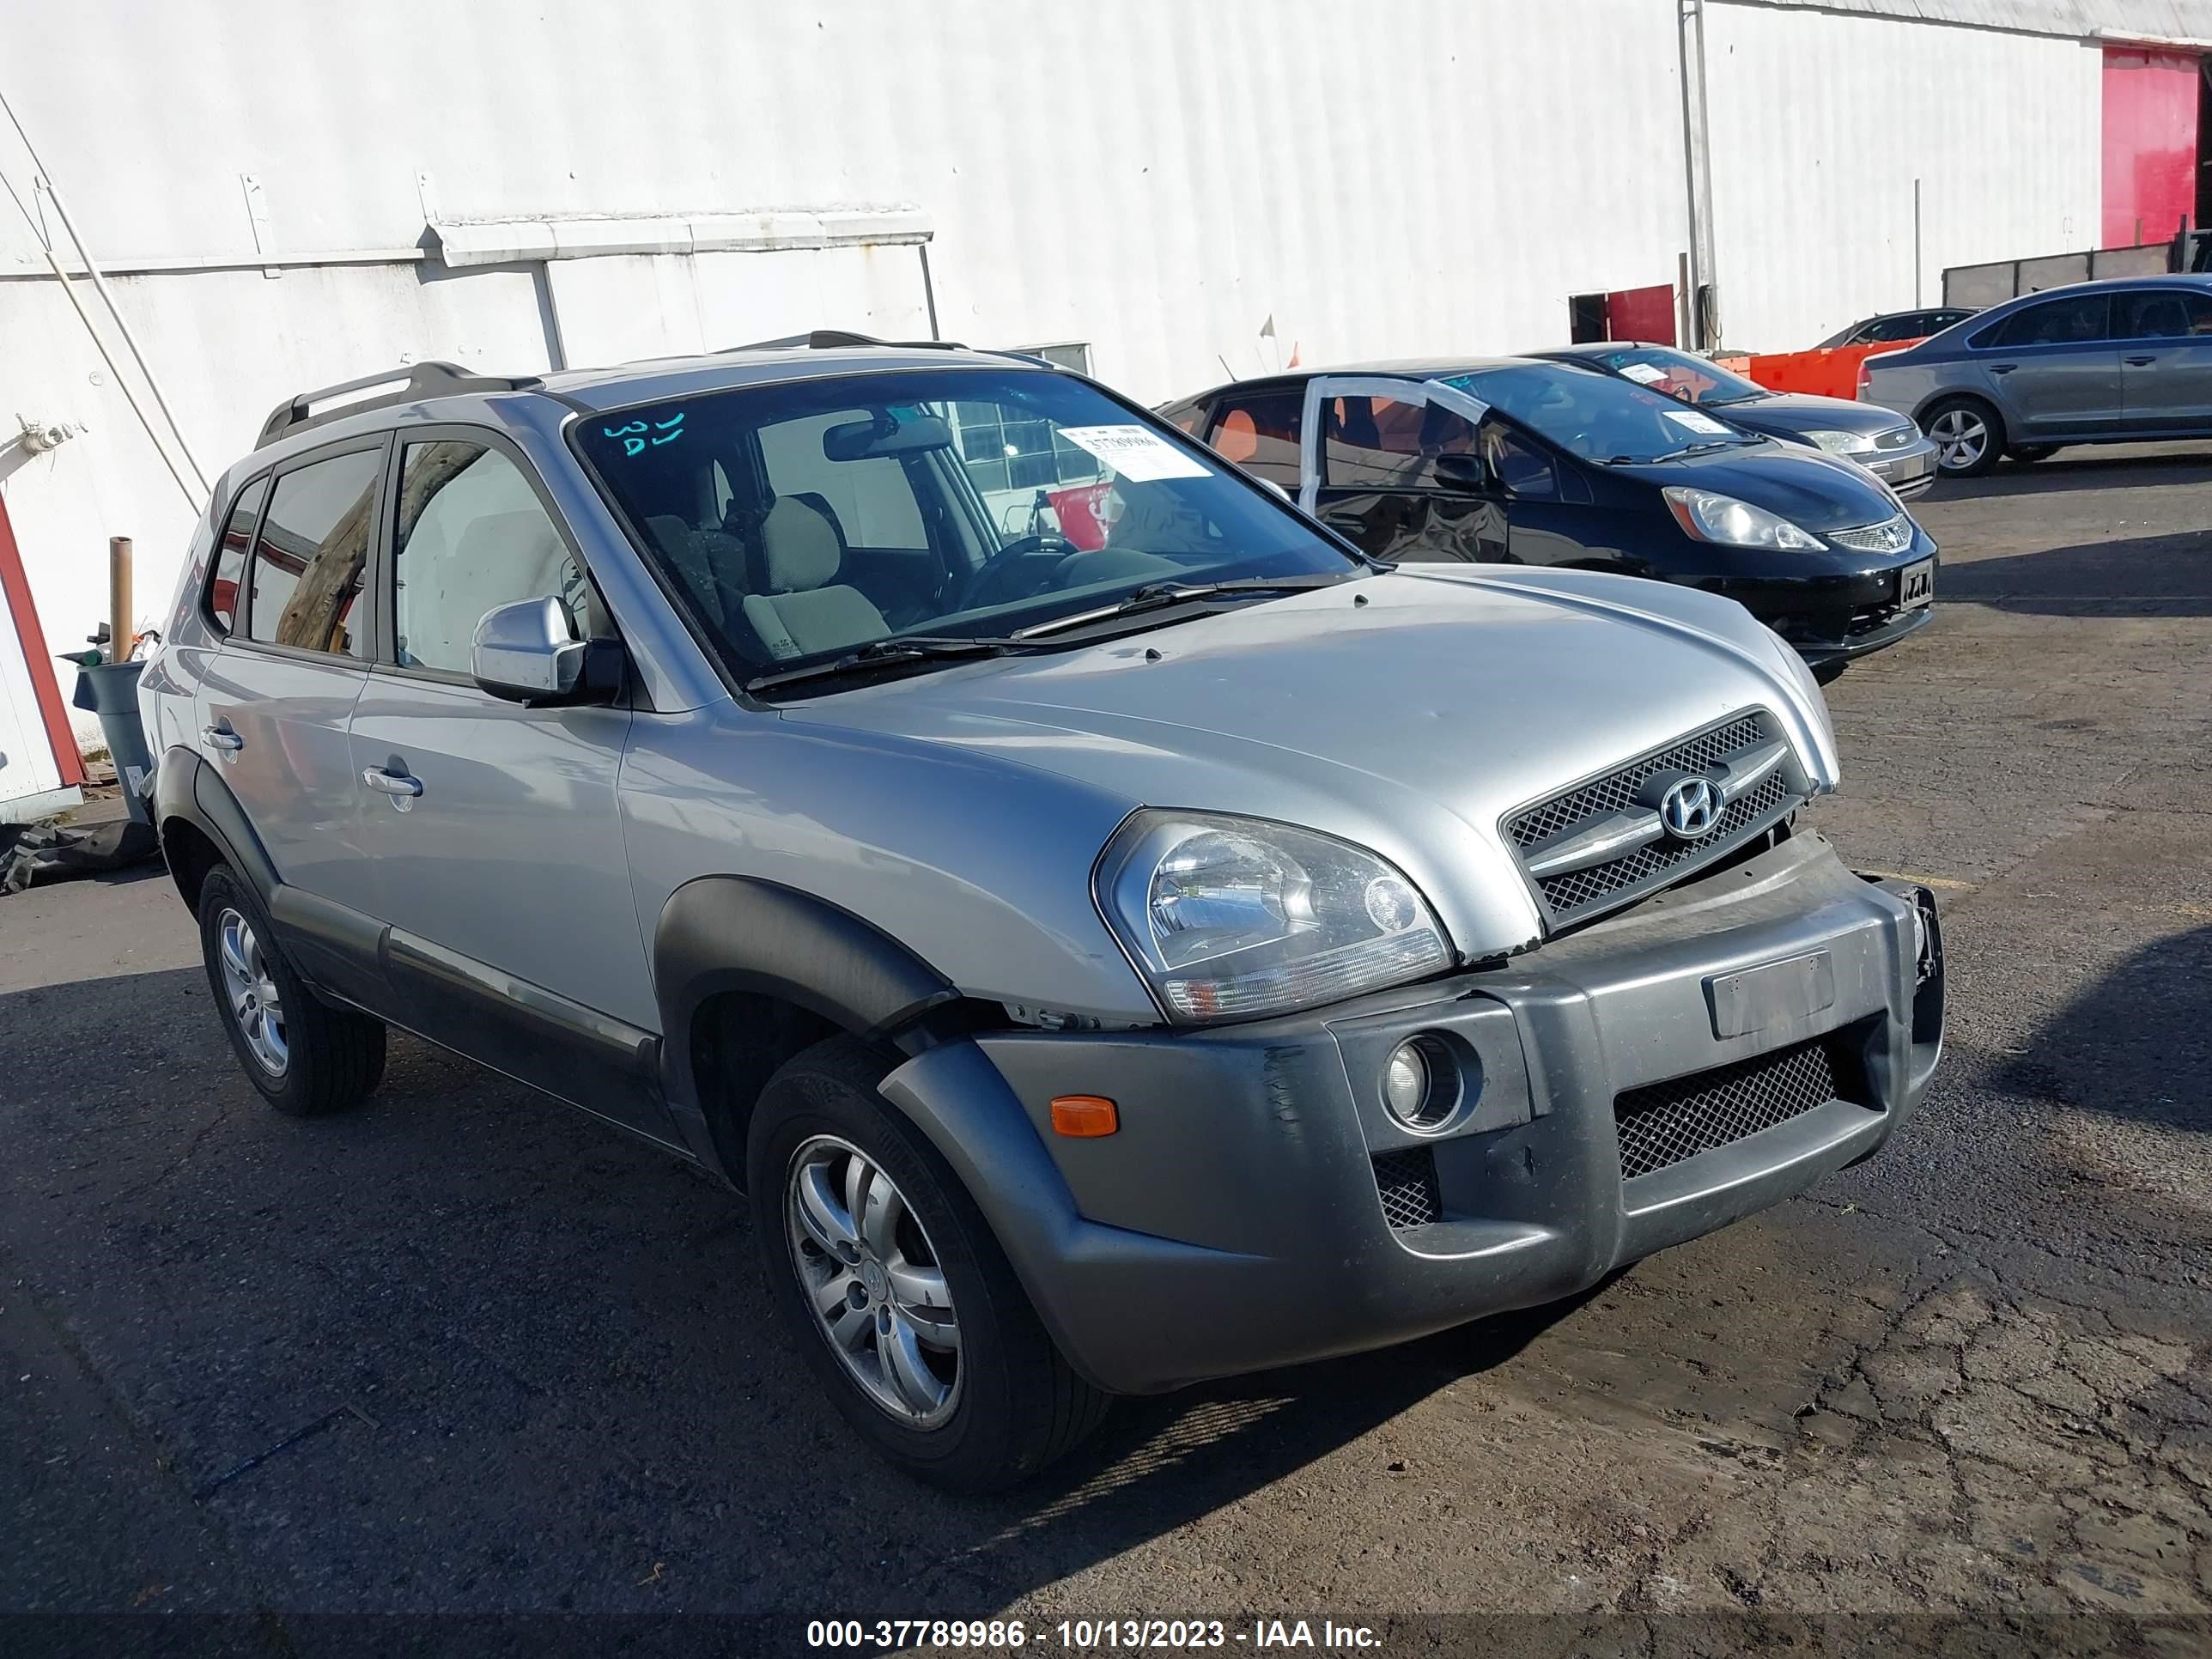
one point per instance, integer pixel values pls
(1085, 1116)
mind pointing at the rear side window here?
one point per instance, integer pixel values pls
(309, 558)
(1387, 443)
(473, 535)
(871, 501)
(2078, 321)
(1260, 432)
(230, 573)
(2165, 313)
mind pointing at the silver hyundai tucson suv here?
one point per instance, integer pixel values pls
(1114, 932)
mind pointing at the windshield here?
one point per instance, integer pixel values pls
(807, 519)
(1679, 374)
(1594, 414)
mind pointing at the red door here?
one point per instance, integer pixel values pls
(2150, 144)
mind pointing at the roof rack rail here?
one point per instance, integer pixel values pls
(826, 339)
(424, 379)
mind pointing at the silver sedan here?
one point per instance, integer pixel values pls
(2114, 362)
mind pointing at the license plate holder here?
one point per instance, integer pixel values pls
(1916, 585)
(1773, 993)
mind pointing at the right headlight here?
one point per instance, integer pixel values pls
(1842, 443)
(1233, 918)
(1705, 515)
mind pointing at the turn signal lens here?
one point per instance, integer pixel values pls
(1085, 1116)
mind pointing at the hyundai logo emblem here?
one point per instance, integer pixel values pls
(1690, 809)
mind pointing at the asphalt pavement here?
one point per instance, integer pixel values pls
(462, 1370)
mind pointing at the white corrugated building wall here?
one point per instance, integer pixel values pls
(293, 192)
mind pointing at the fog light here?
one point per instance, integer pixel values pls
(1421, 1083)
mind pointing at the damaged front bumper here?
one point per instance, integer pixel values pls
(1645, 1080)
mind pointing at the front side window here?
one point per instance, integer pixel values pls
(309, 558)
(1679, 374)
(804, 519)
(471, 535)
(1520, 466)
(228, 576)
(2165, 313)
(2081, 320)
(1598, 417)
(1388, 443)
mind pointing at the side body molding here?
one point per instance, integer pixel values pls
(722, 933)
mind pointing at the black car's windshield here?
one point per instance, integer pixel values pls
(804, 520)
(1679, 374)
(1594, 414)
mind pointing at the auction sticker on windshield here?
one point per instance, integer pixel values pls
(1137, 453)
(1644, 374)
(1690, 421)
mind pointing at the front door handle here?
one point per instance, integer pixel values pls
(222, 737)
(2141, 362)
(398, 785)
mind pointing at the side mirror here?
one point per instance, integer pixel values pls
(1461, 472)
(528, 652)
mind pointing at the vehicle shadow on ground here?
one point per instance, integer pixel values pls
(2136, 1045)
(2079, 469)
(463, 1337)
(2162, 576)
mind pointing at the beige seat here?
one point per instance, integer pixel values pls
(805, 609)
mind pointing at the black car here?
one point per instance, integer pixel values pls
(1523, 461)
(1896, 327)
(1888, 444)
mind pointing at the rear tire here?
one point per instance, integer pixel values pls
(1969, 436)
(890, 1281)
(307, 1057)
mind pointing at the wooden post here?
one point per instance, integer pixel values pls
(121, 629)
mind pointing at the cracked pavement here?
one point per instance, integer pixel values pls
(462, 1352)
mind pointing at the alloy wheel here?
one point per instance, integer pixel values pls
(875, 1283)
(1961, 436)
(255, 1002)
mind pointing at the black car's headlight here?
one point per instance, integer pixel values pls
(1232, 918)
(1708, 516)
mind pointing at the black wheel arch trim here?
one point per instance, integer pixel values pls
(187, 788)
(722, 933)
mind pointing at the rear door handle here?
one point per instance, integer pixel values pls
(2141, 362)
(396, 784)
(222, 737)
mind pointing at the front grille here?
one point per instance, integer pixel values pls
(1408, 1184)
(1575, 894)
(1663, 1123)
(1614, 791)
(1890, 536)
(1896, 438)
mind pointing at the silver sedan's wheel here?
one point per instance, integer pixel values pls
(255, 1002)
(1962, 438)
(874, 1282)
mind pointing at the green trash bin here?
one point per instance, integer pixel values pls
(110, 690)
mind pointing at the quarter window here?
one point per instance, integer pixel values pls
(1260, 432)
(230, 555)
(1388, 443)
(2078, 321)
(309, 557)
(2166, 315)
(473, 535)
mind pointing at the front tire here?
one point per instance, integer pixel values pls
(890, 1282)
(305, 1056)
(1968, 435)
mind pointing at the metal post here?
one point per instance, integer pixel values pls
(928, 289)
(122, 626)
(1698, 173)
(1917, 266)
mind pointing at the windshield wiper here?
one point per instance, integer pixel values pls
(1154, 596)
(914, 648)
(1706, 448)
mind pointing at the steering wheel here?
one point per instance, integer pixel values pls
(981, 588)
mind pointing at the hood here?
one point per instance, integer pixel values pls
(1794, 413)
(1410, 723)
(1808, 487)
